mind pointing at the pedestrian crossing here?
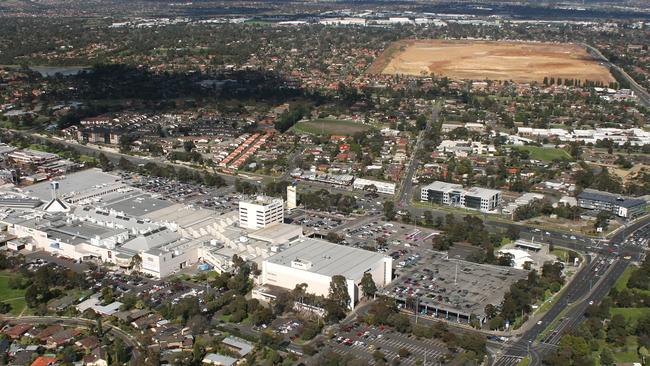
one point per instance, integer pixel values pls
(390, 348)
(416, 349)
(508, 360)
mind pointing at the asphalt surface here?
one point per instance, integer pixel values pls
(590, 285)
(407, 181)
(641, 93)
(114, 157)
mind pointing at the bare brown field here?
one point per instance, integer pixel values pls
(491, 60)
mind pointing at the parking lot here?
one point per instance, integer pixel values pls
(363, 340)
(315, 223)
(406, 244)
(371, 203)
(220, 199)
(452, 289)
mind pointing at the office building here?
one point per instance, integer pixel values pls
(261, 212)
(475, 198)
(292, 199)
(618, 205)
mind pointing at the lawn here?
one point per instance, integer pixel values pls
(14, 297)
(544, 153)
(560, 253)
(631, 314)
(325, 126)
(628, 352)
(524, 361)
(621, 282)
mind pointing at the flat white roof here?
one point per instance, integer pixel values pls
(73, 183)
(277, 231)
(328, 259)
(442, 186)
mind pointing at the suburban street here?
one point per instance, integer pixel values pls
(130, 341)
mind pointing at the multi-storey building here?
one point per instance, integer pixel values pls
(261, 212)
(476, 198)
(621, 206)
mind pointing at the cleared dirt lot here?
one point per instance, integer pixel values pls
(493, 60)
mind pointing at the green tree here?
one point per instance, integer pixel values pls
(389, 210)
(104, 163)
(188, 145)
(602, 220)
(338, 291)
(136, 262)
(368, 286)
(607, 357)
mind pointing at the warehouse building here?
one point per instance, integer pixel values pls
(381, 187)
(621, 206)
(315, 262)
(475, 198)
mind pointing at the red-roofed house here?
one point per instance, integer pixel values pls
(90, 342)
(17, 331)
(45, 361)
(62, 337)
(49, 331)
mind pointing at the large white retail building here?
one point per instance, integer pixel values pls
(95, 216)
(314, 262)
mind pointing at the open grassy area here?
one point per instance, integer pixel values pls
(560, 253)
(621, 282)
(13, 297)
(493, 60)
(325, 126)
(524, 361)
(631, 314)
(544, 153)
(628, 352)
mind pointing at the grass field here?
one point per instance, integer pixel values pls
(493, 60)
(14, 297)
(544, 153)
(631, 314)
(621, 282)
(524, 361)
(326, 126)
(561, 253)
(628, 352)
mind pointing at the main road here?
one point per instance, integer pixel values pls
(407, 181)
(114, 156)
(641, 92)
(590, 285)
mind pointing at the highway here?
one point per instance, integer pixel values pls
(590, 285)
(641, 92)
